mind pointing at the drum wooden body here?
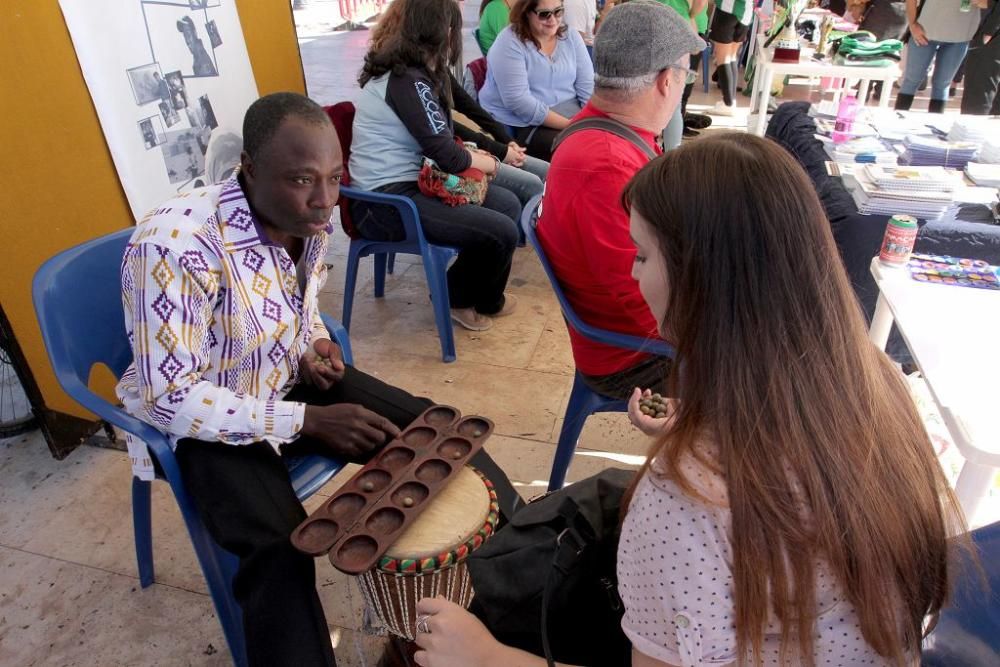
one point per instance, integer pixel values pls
(429, 558)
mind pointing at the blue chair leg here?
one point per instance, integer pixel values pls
(583, 402)
(143, 530)
(380, 262)
(219, 567)
(350, 282)
(391, 266)
(706, 58)
(436, 271)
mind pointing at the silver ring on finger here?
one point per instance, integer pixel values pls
(422, 624)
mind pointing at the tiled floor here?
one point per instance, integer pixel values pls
(69, 594)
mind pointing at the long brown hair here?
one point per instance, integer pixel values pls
(416, 33)
(819, 442)
(520, 22)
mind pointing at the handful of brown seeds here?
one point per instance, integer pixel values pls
(653, 406)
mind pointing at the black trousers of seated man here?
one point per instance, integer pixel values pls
(245, 497)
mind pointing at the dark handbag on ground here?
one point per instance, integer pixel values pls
(547, 583)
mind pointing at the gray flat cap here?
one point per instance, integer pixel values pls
(641, 37)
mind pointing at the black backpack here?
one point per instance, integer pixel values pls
(546, 583)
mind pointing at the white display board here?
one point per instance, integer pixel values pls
(163, 76)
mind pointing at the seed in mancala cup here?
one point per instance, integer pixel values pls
(477, 433)
(368, 486)
(407, 502)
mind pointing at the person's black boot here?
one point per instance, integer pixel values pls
(903, 102)
(936, 106)
(724, 84)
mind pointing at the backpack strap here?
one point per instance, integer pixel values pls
(606, 125)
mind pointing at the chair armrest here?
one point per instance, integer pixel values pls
(154, 439)
(340, 337)
(404, 205)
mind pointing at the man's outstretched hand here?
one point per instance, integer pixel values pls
(349, 430)
(323, 365)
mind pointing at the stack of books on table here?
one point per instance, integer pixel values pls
(989, 153)
(976, 129)
(923, 192)
(928, 151)
(863, 150)
(985, 175)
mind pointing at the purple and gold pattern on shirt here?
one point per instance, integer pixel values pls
(218, 322)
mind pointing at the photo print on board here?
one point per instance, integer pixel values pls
(178, 91)
(151, 130)
(207, 114)
(169, 113)
(147, 83)
(184, 154)
(214, 38)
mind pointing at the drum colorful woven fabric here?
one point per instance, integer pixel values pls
(413, 568)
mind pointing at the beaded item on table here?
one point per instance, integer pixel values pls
(393, 588)
(945, 270)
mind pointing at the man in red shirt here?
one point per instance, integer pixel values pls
(641, 57)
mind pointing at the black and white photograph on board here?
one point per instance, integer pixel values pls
(151, 130)
(178, 91)
(169, 113)
(214, 38)
(147, 83)
(207, 113)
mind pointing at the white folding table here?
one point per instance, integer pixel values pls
(767, 69)
(952, 333)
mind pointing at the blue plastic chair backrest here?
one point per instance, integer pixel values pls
(529, 218)
(968, 632)
(77, 297)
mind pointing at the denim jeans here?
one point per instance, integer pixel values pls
(485, 236)
(947, 57)
(525, 181)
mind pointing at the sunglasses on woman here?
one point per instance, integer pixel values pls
(546, 14)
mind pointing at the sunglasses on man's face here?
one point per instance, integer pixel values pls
(546, 14)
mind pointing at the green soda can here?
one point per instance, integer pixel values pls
(897, 244)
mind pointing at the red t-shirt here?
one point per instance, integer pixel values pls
(585, 234)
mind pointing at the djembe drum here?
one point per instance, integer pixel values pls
(428, 559)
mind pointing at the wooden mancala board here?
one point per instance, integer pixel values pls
(366, 515)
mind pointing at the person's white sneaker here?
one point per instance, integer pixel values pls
(722, 109)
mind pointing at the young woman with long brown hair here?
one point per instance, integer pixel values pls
(791, 509)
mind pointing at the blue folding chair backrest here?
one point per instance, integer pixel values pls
(77, 298)
(968, 632)
(650, 345)
(435, 257)
(583, 401)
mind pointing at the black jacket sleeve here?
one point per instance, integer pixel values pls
(411, 95)
(464, 104)
(991, 22)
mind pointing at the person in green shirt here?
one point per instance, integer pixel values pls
(493, 17)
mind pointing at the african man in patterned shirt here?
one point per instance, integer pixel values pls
(219, 287)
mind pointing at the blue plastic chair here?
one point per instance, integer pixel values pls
(583, 401)
(77, 297)
(968, 631)
(435, 261)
